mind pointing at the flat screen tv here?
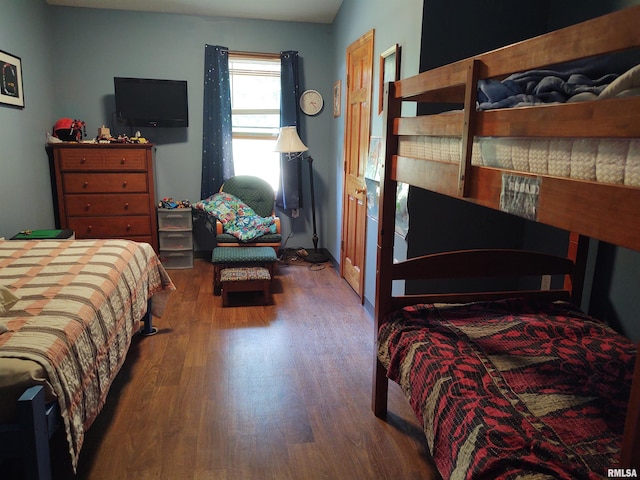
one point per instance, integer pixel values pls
(146, 102)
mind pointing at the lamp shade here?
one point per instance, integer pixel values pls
(289, 141)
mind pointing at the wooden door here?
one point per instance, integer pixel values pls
(356, 149)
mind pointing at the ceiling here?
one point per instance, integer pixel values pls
(314, 11)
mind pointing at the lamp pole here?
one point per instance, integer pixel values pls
(289, 143)
(316, 256)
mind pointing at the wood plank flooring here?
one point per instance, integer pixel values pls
(252, 392)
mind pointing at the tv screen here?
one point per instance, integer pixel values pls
(145, 102)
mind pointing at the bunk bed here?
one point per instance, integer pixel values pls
(69, 311)
(527, 398)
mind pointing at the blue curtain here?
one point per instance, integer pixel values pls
(289, 194)
(217, 148)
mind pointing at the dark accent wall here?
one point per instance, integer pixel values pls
(457, 29)
(451, 31)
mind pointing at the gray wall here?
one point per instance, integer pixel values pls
(119, 43)
(25, 193)
(70, 56)
(394, 22)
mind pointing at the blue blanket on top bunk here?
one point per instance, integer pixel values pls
(577, 81)
(539, 86)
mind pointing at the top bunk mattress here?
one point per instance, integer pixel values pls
(603, 160)
(592, 157)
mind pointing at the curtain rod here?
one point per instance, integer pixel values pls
(254, 54)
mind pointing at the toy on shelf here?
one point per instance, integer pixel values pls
(168, 202)
(104, 136)
(69, 130)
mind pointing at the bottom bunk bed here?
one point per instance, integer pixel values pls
(512, 384)
(514, 388)
(507, 384)
(70, 310)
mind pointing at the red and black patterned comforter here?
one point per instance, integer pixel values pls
(512, 389)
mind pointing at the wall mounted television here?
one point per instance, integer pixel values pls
(146, 102)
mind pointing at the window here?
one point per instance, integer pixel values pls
(255, 111)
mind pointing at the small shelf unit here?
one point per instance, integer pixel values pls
(175, 231)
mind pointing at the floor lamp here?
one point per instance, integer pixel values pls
(290, 144)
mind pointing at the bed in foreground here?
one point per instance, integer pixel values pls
(513, 384)
(76, 306)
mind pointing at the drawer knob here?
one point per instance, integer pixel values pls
(85, 184)
(83, 161)
(87, 207)
(128, 227)
(124, 184)
(89, 228)
(126, 206)
(122, 161)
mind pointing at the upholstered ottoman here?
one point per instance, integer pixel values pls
(239, 257)
(245, 279)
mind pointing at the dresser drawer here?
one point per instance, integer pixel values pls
(101, 204)
(176, 240)
(175, 259)
(88, 159)
(123, 159)
(109, 227)
(81, 159)
(105, 182)
(174, 218)
(106, 191)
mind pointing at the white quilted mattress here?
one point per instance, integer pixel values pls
(604, 160)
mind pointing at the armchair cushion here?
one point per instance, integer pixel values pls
(253, 191)
(242, 212)
(237, 218)
(226, 239)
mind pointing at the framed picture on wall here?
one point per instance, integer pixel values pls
(389, 71)
(337, 90)
(11, 80)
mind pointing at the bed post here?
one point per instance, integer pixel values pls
(35, 434)
(629, 457)
(470, 96)
(386, 231)
(577, 251)
(148, 329)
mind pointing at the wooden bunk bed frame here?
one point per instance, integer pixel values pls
(585, 208)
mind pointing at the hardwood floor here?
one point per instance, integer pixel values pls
(252, 392)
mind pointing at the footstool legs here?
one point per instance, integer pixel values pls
(245, 279)
(240, 257)
(217, 288)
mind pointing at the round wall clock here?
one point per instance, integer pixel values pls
(311, 102)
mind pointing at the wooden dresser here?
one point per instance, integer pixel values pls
(106, 191)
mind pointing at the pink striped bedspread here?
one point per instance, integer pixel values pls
(79, 304)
